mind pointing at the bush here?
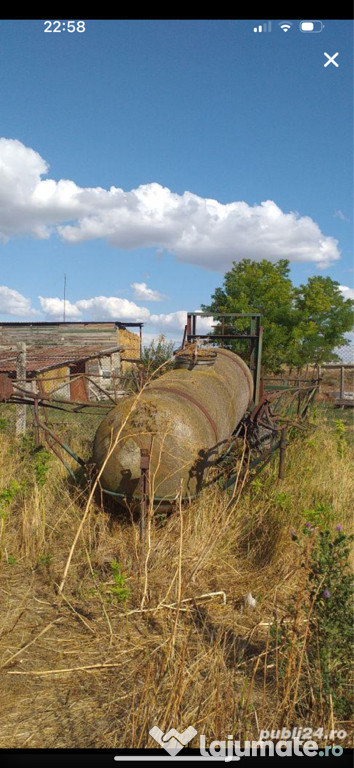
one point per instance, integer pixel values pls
(157, 353)
(316, 639)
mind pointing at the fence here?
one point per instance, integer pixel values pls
(62, 381)
(337, 382)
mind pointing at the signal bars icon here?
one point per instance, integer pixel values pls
(266, 27)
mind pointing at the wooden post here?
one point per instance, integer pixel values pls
(341, 393)
(140, 342)
(116, 372)
(298, 402)
(21, 410)
(36, 420)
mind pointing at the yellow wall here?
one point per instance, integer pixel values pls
(131, 343)
(50, 380)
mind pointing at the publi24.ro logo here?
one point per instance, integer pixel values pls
(173, 741)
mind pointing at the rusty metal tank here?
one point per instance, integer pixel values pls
(183, 418)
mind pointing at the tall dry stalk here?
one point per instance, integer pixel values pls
(113, 444)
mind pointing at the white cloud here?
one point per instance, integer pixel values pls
(112, 308)
(173, 321)
(14, 303)
(347, 292)
(176, 321)
(54, 307)
(143, 293)
(196, 230)
(340, 215)
(95, 308)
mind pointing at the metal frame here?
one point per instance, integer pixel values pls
(341, 401)
(253, 335)
(264, 426)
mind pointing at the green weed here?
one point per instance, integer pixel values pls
(120, 590)
(317, 638)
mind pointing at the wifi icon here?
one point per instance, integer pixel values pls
(285, 25)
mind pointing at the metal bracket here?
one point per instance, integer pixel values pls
(144, 502)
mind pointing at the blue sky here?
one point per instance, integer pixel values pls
(140, 158)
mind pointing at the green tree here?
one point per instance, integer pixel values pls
(266, 288)
(301, 325)
(323, 317)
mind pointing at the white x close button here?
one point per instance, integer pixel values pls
(331, 59)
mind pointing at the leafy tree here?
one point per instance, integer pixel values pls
(266, 288)
(301, 325)
(323, 317)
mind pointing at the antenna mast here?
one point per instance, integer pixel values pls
(64, 298)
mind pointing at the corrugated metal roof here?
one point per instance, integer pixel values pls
(83, 324)
(48, 358)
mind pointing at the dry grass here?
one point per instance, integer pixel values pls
(84, 668)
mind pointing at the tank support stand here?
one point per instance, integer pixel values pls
(144, 503)
(282, 449)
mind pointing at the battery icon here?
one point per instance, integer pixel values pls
(311, 26)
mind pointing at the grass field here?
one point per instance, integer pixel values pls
(170, 639)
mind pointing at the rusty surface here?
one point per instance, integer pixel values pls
(257, 412)
(193, 400)
(189, 413)
(78, 384)
(50, 358)
(6, 387)
(144, 500)
(282, 449)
